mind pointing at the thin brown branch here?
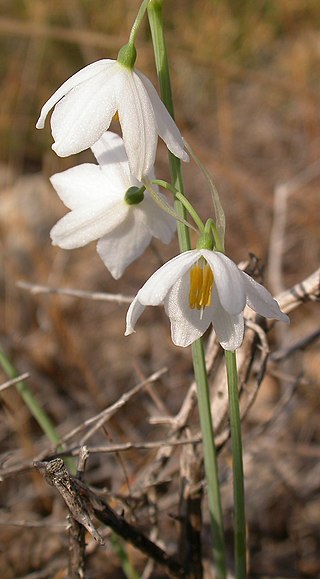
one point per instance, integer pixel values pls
(74, 293)
(83, 503)
(307, 290)
(13, 27)
(101, 418)
(14, 381)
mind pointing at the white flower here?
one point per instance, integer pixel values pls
(199, 288)
(86, 103)
(96, 196)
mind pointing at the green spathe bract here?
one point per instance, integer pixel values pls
(205, 241)
(127, 56)
(134, 195)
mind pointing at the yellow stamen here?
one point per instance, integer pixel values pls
(201, 283)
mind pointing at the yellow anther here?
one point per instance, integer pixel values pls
(196, 275)
(201, 283)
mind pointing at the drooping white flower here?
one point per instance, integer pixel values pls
(96, 196)
(86, 103)
(199, 288)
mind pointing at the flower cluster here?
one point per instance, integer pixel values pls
(108, 202)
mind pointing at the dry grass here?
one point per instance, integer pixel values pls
(247, 89)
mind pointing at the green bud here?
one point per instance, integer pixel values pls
(127, 56)
(205, 241)
(134, 195)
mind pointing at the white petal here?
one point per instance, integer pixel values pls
(161, 225)
(228, 281)
(156, 288)
(85, 184)
(85, 113)
(86, 224)
(81, 76)
(137, 122)
(187, 325)
(133, 314)
(110, 153)
(261, 301)
(166, 126)
(125, 243)
(228, 327)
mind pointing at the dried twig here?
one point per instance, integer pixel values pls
(14, 381)
(84, 503)
(159, 444)
(11, 26)
(307, 290)
(97, 296)
(300, 344)
(280, 208)
(191, 472)
(122, 447)
(106, 414)
(77, 544)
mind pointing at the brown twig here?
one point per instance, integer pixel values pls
(77, 544)
(100, 419)
(14, 381)
(96, 296)
(282, 193)
(11, 26)
(191, 471)
(300, 344)
(83, 503)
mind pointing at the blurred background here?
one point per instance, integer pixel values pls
(246, 82)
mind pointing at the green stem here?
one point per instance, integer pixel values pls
(217, 240)
(163, 203)
(238, 483)
(137, 22)
(37, 412)
(165, 185)
(160, 52)
(127, 568)
(192, 212)
(29, 400)
(185, 202)
(210, 458)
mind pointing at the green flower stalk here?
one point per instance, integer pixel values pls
(237, 464)
(157, 31)
(36, 410)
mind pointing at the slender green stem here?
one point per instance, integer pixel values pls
(190, 209)
(185, 202)
(164, 205)
(238, 483)
(160, 52)
(30, 401)
(137, 22)
(183, 199)
(210, 459)
(127, 567)
(217, 238)
(37, 412)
